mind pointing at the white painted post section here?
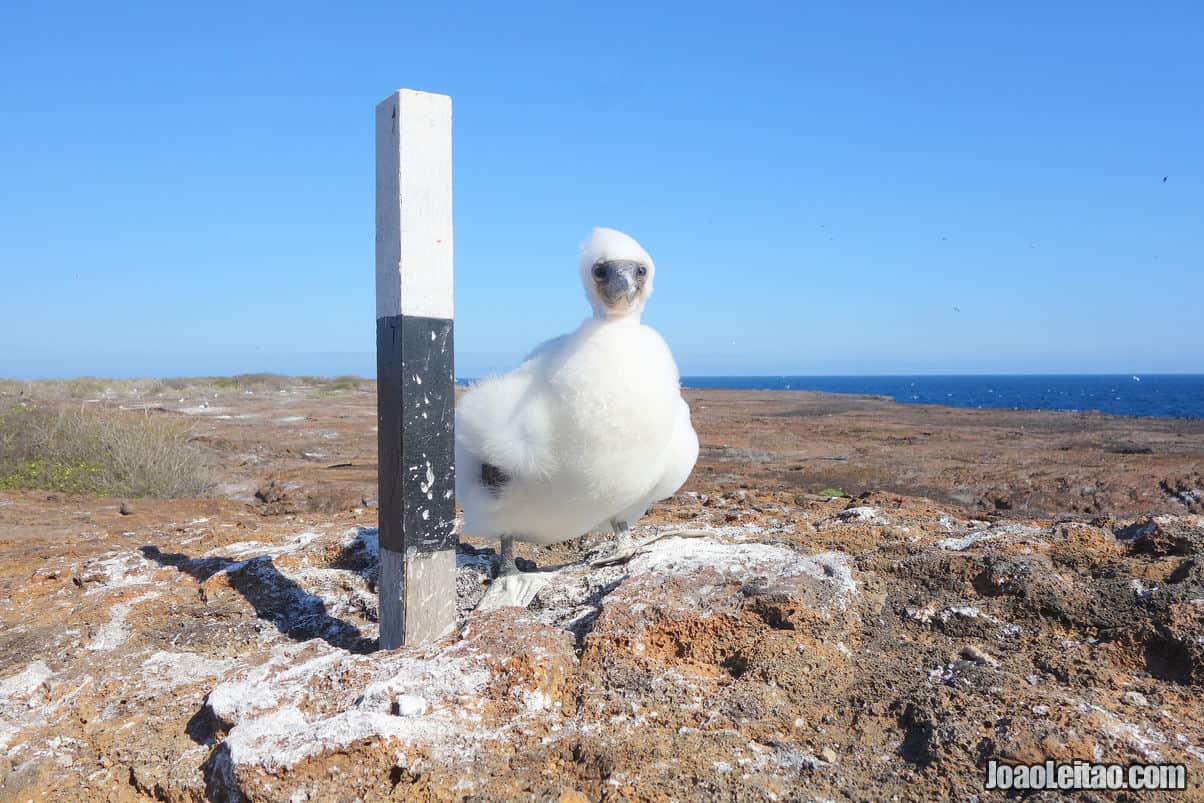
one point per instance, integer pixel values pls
(415, 371)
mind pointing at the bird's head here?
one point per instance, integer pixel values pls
(617, 274)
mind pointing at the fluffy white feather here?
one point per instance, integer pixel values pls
(590, 428)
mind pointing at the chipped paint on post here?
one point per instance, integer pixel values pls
(415, 368)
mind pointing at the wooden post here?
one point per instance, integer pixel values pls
(414, 368)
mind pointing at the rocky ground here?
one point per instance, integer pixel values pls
(996, 585)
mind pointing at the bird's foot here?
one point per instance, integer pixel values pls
(619, 555)
(624, 552)
(516, 589)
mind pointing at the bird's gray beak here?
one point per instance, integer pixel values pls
(621, 281)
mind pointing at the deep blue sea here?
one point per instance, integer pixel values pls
(1176, 395)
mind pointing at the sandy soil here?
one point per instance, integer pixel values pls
(996, 585)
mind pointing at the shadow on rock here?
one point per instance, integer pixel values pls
(294, 611)
(218, 771)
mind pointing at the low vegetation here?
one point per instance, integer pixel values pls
(84, 387)
(95, 388)
(326, 386)
(94, 448)
(70, 435)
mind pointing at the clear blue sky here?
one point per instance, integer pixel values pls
(187, 188)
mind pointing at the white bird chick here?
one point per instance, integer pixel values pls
(586, 433)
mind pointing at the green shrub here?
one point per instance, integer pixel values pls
(345, 382)
(321, 386)
(93, 448)
(259, 382)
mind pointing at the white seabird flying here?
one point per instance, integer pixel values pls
(588, 432)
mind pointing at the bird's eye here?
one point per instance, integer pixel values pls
(599, 271)
(642, 271)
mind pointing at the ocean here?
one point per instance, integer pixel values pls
(1173, 395)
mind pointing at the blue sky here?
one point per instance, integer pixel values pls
(877, 188)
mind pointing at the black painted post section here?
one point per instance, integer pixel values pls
(417, 436)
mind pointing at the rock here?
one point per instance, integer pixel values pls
(978, 655)
(865, 514)
(1160, 536)
(1134, 698)
(409, 705)
(281, 497)
(300, 704)
(1086, 544)
(1009, 532)
(828, 755)
(1187, 490)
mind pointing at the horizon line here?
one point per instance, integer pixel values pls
(935, 374)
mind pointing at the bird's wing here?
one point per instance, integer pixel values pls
(504, 422)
